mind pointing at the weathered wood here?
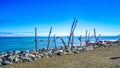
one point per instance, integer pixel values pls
(72, 39)
(80, 39)
(88, 40)
(86, 37)
(49, 38)
(72, 34)
(94, 33)
(55, 42)
(62, 41)
(36, 40)
(72, 30)
(97, 38)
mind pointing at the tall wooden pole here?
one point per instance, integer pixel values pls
(86, 37)
(72, 39)
(36, 40)
(55, 42)
(95, 33)
(80, 39)
(49, 38)
(71, 31)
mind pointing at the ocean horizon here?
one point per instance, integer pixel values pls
(28, 43)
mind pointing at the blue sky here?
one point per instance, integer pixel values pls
(19, 17)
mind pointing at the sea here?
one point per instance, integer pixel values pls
(28, 43)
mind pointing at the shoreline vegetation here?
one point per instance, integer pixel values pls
(91, 54)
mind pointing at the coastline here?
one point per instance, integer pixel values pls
(96, 58)
(9, 58)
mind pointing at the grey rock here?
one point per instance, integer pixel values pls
(0, 59)
(60, 52)
(16, 60)
(16, 52)
(0, 64)
(89, 48)
(6, 62)
(10, 58)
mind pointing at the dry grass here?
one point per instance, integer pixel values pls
(97, 58)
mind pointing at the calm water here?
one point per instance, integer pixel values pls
(27, 43)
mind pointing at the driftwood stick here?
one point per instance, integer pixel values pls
(63, 42)
(95, 33)
(71, 31)
(86, 37)
(55, 42)
(80, 39)
(36, 40)
(72, 39)
(49, 38)
(97, 39)
(89, 37)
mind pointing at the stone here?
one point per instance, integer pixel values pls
(16, 60)
(60, 52)
(0, 64)
(0, 59)
(16, 52)
(10, 58)
(6, 62)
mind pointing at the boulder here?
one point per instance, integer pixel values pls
(89, 48)
(68, 50)
(76, 51)
(60, 52)
(16, 52)
(0, 63)
(16, 60)
(0, 59)
(10, 58)
(32, 56)
(6, 62)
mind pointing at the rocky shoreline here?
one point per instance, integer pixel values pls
(11, 57)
